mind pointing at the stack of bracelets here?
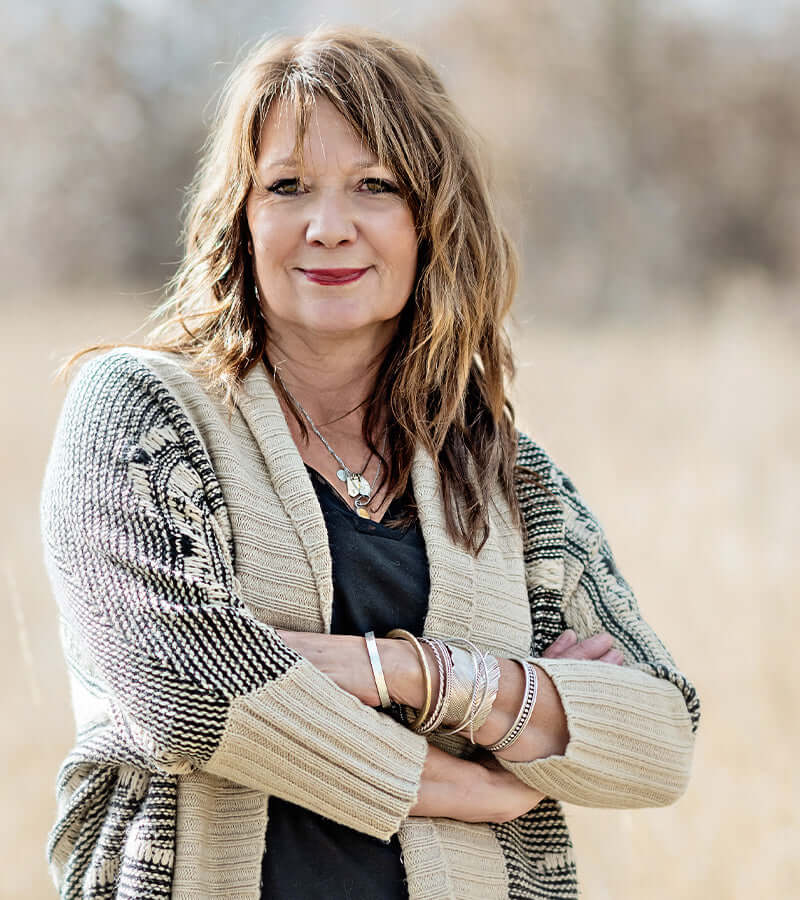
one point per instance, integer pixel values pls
(468, 683)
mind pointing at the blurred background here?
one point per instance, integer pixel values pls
(646, 159)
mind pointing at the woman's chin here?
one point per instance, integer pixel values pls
(347, 328)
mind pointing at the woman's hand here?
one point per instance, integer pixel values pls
(454, 788)
(598, 647)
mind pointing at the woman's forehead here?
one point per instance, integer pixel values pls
(329, 139)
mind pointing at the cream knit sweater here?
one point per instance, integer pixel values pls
(178, 537)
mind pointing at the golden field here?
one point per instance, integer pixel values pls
(684, 438)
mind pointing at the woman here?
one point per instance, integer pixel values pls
(315, 446)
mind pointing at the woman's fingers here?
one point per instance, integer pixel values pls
(593, 647)
(562, 643)
(614, 657)
(596, 647)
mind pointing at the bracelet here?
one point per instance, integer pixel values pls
(465, 689)
(486, 671)
(426, 672)
(377, 669)
(525, 710)
(492, 686)
(479, 709)
(444, 664)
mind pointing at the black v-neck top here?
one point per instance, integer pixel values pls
(380, 582)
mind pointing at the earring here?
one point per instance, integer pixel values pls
(250, 247)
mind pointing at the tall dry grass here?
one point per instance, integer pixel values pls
(684, 438)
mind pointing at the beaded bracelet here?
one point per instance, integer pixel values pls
(525, 710)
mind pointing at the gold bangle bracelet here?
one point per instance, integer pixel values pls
(426, 672)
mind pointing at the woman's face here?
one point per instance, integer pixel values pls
(336, 253)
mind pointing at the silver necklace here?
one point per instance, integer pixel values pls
(358, 488)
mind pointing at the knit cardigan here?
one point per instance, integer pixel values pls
(178, 536)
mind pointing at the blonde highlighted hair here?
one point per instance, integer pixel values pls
(443, 380)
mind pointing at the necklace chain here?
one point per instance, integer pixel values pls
(357, 485)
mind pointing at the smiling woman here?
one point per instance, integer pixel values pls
(314, 447)
(334, 253)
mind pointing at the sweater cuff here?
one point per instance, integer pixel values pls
(630, 738)
(304, 739)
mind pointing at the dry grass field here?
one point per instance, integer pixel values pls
(684, 439)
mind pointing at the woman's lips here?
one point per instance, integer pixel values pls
(333, 276)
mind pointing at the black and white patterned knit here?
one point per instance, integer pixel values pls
(528, 842)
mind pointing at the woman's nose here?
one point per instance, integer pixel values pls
(330, 221)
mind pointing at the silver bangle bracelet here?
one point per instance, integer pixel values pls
(525, 710)
(469, 705)
(377, 669)
(493, 683)
(445, 668)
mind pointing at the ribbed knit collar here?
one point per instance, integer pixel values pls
(452, 568)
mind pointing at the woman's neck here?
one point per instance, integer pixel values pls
(331, 379)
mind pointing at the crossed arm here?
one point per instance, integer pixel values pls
(451, 787)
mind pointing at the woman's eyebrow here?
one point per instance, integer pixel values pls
(282, 163)
(289, 162)
(370, 162)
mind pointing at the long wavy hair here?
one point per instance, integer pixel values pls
(443, 381)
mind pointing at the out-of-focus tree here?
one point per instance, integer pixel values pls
(642, 158)
(106, 103)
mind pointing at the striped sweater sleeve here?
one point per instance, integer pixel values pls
(631, 727)
(139, 550)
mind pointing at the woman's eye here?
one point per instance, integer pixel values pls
(286, 187)
(378, 186)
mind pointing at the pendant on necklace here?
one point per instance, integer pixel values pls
(357, 485)
(360, 504)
